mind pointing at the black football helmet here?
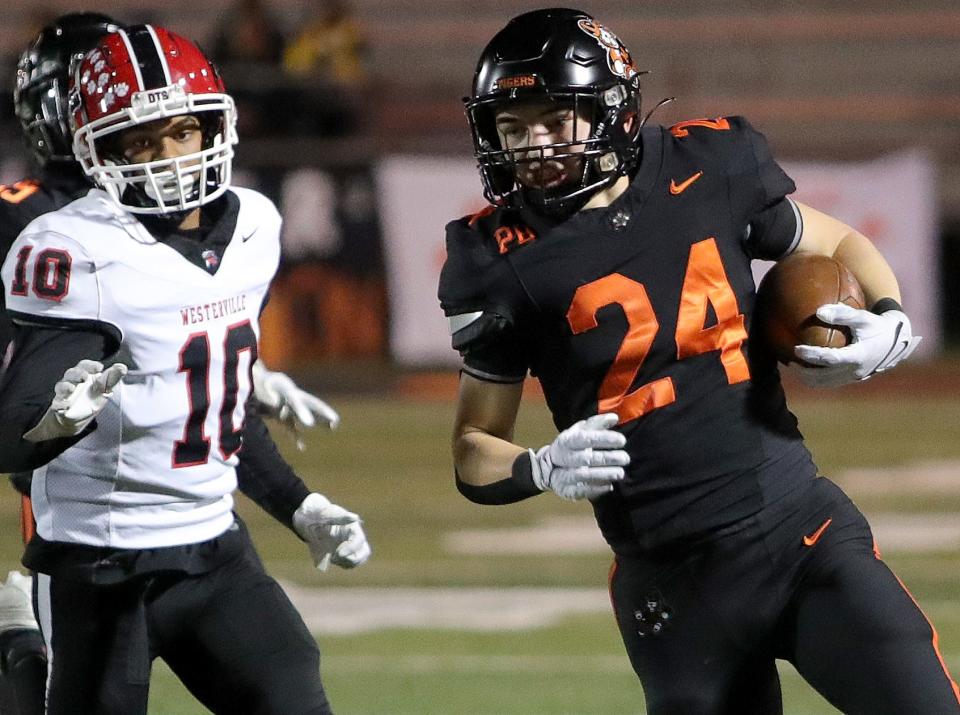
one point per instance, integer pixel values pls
(40, 94)
(568, 57)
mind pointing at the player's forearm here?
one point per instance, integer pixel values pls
(265, 476)
(41, 355)
(830, 237)
(494, 471)
(482, 458)
(489, 467)
(872, 271)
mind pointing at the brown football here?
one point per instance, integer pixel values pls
(788, 298)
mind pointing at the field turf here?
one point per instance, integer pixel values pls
(389, 462)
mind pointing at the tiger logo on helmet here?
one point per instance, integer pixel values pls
(618, 56)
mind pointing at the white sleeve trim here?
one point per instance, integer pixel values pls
(490, 377)
(798, 234)
(459, 322)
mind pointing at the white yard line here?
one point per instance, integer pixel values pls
(356, 610)
(339, 611)
(344, 611)
(478, 664)
(895, 532)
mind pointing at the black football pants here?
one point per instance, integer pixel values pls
(799, 581)
(231, 635)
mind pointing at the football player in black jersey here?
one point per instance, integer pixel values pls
(613, 264)
(40, 101)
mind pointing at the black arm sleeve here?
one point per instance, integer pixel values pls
(40, 357)
(774, 233)
(517, 487)
(264, 475)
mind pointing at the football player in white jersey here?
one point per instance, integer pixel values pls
(138, 314)
(40, 103)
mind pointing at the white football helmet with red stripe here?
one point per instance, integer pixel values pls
(139, 75)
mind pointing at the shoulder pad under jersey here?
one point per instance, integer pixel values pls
(21, 203)
(478, 289)
(51, 279)
(731, 145)
(257, 211)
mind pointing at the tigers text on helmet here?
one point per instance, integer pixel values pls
(142, 74)
(566, 57)
(40, 93)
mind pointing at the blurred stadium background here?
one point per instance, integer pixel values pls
(354, 127)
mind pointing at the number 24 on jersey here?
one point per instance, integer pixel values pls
(705, 281)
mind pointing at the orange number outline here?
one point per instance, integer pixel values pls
(705, 280)
(642, 328)
(680, 130)
(15, 193)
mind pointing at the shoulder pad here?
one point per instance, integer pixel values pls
(470, 258)
(477, 264)
(734, 147)
(51, 279)
(21, 203)
(478, 289)
(716, 129)
(255, 204)
(259, 222)
(720, 137)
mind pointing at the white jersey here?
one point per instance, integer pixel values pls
(159, 468)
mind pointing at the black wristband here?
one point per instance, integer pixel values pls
(885, 304)
(517, 487)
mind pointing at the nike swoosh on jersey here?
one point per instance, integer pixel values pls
(246, 238)
(677, 189)
(815, 536)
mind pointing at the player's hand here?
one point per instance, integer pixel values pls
(332, 533)
(584, 461)
(286, 402)
(878, 343)
(78, 398)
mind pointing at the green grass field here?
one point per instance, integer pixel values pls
(389, 461)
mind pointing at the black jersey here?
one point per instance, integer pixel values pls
(22, 202)
(644, 308)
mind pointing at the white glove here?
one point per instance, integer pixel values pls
(332, 533)
(878, 343)
(288, 403)
(16, 603)
(78, 398)
(584, 461)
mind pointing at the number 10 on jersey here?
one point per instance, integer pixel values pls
(194, 447)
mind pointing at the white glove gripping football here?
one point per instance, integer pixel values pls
(78, 398)
(332, 533)
(289, 404)
(584, 461)
(878, 343)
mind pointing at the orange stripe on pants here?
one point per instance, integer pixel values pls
(935, 640)
(28, 525)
